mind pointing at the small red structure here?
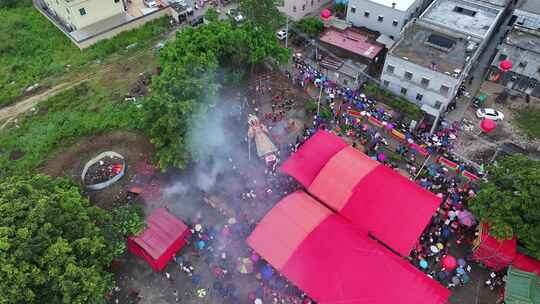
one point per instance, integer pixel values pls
(505, 65)
(488, 125)
(493, 253)
(164, 236)
(352, 41)
(326, 14)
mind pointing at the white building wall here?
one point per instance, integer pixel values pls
(432, 93)
(297, 9)
(356, 14)
(95, 11)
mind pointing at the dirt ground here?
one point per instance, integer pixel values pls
(70, 161)
(481, 147)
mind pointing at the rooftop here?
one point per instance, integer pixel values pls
(470, 18)
(497, 2)
(353, 42)
(401, 5)
(531, 6)
(522, 48)
(432, 49)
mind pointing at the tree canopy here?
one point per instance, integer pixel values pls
(510, 201)
(262, 13)
(187, 82)
(311, 26)
(51, 248)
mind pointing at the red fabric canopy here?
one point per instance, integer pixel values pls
(333, 262)
(488, 125)
(372, 196)
(526, 263)
(493, 253)
(505, 65)
(163, 237)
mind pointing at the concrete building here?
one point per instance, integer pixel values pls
(435, 53)
(522, 47)
(527, 14)
(385, 16)
(297, 9)
(77, 14)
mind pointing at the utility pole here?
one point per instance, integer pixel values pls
(319, 101)
(287, 32)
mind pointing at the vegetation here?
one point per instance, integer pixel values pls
(411, 110)
(510, 201)
(33, 48)
(84, 110)
(51, 248)
(188, 80)
(312, 26)
(124, 221)
(528, 120)
(339, 9)
(261, 13)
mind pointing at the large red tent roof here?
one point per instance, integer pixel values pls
(372, 196)
(164, 236)
(495, 254)
(334, 262)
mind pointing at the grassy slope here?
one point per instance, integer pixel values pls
(32, 49)
(528, 120)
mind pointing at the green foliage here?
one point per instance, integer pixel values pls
(528, 120)
(188, 80)
(124, 222)
(51, 249)
(83, 110)
(339, 8)
(510, 201)
(261, 13)
(32, 48)
(311, 106)
(399, 104)
(312, 26)
(211, 15)
(326, 113)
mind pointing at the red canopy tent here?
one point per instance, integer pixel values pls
(334, 262)
(493, 253)
(163, 237)
(372, 196)
(526, 263)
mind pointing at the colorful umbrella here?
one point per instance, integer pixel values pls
(245, 265)
(201, 244)
(266, 272)
(487, 125)
(449, 262)
(466, 218)
(461, 262)
(423, 264)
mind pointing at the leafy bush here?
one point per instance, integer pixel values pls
(124, 222)
(528, 120)
(32, 48)
(312, 26)
(311, 106)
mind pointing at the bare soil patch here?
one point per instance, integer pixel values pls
(135, 148)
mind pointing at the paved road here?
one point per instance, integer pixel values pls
(479, 71)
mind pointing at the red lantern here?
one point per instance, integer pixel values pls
(325, 14)
(487, 125)
(505, 65)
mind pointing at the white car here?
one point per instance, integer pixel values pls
(281, 34)
(150, 3)
(489, 114)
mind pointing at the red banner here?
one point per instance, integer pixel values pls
(375, 121)
(448, 163)
(470, 176)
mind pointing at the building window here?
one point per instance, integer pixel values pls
(82, 11)
(380, 18)
(390, 69)
(408, 75)
(419, 97)
(424, 82)
(437, 105)
(403, 91)
(444, 90)
(385, 83)
(464, 11)
(116, 1)
(353, 9)
(294, 8)
(394, 23)
(523, 64)
(311, 2)
(391, 37)
(366, 14)
(303, 7)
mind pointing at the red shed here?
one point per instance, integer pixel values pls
(493, 253)
(159, 242)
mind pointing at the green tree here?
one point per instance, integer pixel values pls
(262, 13)
(51, 248)
(124, 222)
(510, 201)
(339, 8)
(311, 26)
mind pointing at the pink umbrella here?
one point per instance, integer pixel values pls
(325, 14)
(505, 65)
(466, 218)
(449, 262)
(488, 125)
